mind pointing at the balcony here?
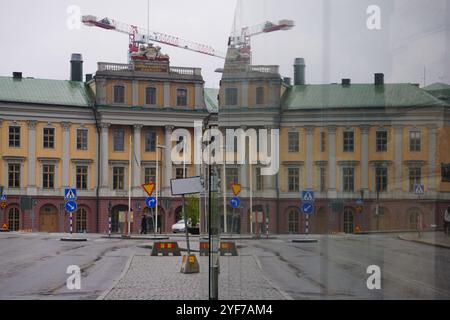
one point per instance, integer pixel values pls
(148, 67)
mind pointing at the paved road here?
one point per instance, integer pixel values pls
(33, 266)
(335, 267)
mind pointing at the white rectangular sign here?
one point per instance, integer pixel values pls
(186, 186)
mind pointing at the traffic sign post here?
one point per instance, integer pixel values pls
(70, 195)
(419, 190)
(307, 207)
(150, 202)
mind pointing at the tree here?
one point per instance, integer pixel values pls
(192, 209)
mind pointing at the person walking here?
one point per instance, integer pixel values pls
(447, 221)
(144, 225)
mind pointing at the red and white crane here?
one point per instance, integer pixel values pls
(241, 39)
(139, 36)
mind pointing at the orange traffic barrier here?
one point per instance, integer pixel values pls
(228, 248)
(165, 249)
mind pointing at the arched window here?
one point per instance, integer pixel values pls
(14, 219)
(293, 221)
(348, 221)
(81, 220)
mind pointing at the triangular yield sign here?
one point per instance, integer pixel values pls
(149, 188)
(236, 187)
(5, 226)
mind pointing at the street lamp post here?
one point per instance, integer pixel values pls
(158, 147)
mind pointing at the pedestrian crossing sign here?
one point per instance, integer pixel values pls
(307, 196)
(70, 194)
(3, 198)
(419, 188)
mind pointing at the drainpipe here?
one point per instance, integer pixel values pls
(97, 196)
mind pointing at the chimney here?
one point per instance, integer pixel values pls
(287, 81)
(76, 67)
(379, 79)
(299, 72)
(88, 77)
(17, 75)
(346, 82)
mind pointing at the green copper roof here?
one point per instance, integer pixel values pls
(357, 96)
(439, 90)
(42, 91)
(212, 103)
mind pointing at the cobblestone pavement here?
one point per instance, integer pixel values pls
(159, 278)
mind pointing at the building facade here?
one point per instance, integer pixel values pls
(361, 148)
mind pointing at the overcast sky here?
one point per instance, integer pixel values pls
(332, 36)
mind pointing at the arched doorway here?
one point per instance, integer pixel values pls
(321, 221)
(48, 218)
(381, 219)
(349, 220)
(118, 218)
(233, 220)
(151, 218)
(414, 218)
(257, 217)
(14, 219)
(293, 220)
(81, 220)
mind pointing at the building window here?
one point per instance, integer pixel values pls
(82, 177)
(82, 139)
(119, 94)
(260, 95)
(232, 176)
(349, 179)
(14, 219)
(14, 136)
(323, 141)
(81, 220)
(149, 175)
(348, 221)
(48, 176)
(181, 97)
(323, 179)
(49, 138)
(119, 139)
(231, 96)
(415, 177)
(349, 141)
(293, 179)
(414, 141)
(445, 172)
(381, 179)
(179, 173)
(414, 220)
(293, 141)
(118, 178)
(150, 96)
(382, 137)
(14, 175)
(293, 221)
(259, 180)
(150, 141)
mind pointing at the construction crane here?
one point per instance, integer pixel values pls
(138, 37)
(240, 40)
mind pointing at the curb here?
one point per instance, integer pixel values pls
(424, 242)
(284, 294)
(74, 239)
(103, 295)
(135, 238)
(305, 240)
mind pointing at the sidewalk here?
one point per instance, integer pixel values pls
(159, 278)
(437, 238)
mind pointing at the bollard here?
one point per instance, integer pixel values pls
(228, 248)
(166, 249)
(204, 248)
(190, 264)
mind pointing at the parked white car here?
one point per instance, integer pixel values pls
(179, 226)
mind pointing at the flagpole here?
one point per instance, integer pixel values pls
(129, 190)
(155, 227)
